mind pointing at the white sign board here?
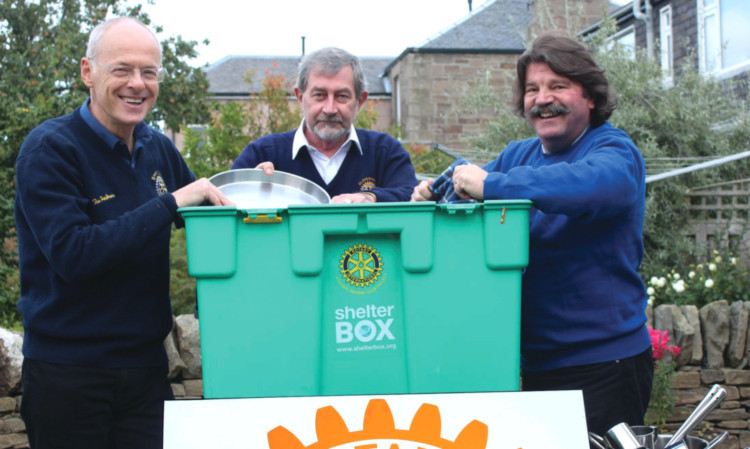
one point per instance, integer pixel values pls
(511, 420)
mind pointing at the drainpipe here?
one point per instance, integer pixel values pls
(646, 18)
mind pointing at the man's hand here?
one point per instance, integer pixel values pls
(468, 181)
(422, 191)
(267, 167)
(359, 197)
(198, 192)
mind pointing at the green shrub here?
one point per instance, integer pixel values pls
(724, 276)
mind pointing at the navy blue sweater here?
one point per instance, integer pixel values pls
(384, 168)
(93, 236)
(583, 300)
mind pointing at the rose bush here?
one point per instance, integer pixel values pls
(662, 402)
(724, 276)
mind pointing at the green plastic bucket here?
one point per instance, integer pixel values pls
(349, 299)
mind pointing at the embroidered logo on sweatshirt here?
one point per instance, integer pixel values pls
(102, 198)
(161, 187)
(367, 184)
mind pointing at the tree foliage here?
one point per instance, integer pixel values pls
(41, 46)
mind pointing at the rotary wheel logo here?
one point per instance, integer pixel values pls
(379, 427)
(361, 265)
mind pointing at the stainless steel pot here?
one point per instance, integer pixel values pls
(686, 443)
(622, 436)
(252, 189)
(715, 395)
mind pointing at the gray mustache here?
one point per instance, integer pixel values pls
(332, 118)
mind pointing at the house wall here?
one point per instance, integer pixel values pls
(684, 31)
(685, 37)
(432, 86)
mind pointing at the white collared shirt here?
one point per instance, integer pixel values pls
(327, 167)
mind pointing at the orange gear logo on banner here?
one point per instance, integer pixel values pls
(361, 265)
(379, 431)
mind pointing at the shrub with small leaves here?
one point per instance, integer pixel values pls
(724, 276)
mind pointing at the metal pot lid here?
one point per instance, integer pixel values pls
(250, 188)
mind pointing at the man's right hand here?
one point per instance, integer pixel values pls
(198, 192)
(267, 167)
(422, 191)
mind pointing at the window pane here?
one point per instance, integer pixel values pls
(627, 42)
(713, 47)
(665, 29)
(735, 23)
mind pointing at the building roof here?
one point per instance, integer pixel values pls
(242, 75)
(497, 27)
(501, 24)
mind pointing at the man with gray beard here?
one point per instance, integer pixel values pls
(352, 165)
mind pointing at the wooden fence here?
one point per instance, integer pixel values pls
(720, 216)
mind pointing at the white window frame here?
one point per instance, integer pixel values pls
(709, 59)
(666, 44)
(397, 90)
(619, 35)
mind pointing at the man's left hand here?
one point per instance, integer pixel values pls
(359, 197)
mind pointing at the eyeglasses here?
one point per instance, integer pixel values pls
(123, 72)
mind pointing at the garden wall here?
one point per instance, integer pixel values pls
(713, 342)
(713, 350)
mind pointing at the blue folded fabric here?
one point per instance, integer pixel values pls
(442, 187)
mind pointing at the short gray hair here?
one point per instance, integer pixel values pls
(92, 49)
(330, 60)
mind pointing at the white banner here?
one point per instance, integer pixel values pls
(511, 420)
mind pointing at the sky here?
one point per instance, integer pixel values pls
(276, 27)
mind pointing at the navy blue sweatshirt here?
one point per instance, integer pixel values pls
(93, 234)
(384, 168)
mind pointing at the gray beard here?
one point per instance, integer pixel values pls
(329, 134)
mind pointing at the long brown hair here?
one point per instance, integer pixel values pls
(568, 58)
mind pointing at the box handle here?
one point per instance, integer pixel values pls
(307, 236)
(416, 229)
(262, 218)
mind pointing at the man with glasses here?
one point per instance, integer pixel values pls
(97, 193)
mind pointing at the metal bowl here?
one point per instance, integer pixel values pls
(690, 442)
(250, 188)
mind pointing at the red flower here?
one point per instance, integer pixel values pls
(659, 342)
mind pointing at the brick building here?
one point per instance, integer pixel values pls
(418, 94)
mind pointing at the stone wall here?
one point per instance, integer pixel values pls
(183, 349)
(713, 341)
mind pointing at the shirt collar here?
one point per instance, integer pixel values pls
(300, 141)
(142, 131)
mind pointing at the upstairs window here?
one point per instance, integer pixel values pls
(624, 39)
(724, 48)
(666, 44)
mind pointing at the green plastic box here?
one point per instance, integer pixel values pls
(352, 299)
